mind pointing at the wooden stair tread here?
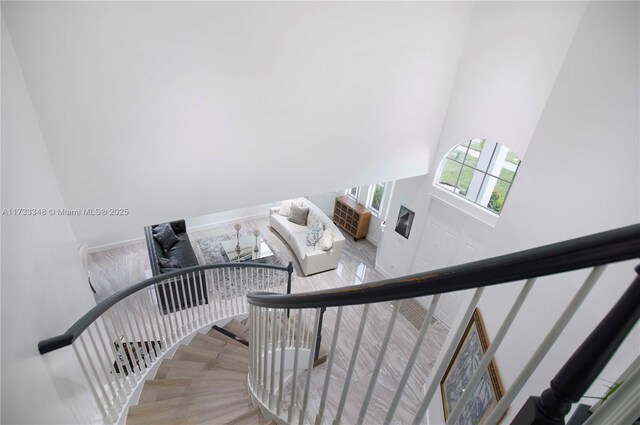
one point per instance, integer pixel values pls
(200, 409)
(217, 340)
(237, 329)
(205, 382)
(189, 400)
(151, 394)
(224, 338)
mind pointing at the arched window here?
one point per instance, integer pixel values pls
(480, 171)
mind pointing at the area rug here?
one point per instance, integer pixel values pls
(232, 281)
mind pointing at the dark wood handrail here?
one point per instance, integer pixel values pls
(85, 321)
(574, 254)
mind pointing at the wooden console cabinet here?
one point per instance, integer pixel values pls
(353, 217)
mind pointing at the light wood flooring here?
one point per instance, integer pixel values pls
(115, 269)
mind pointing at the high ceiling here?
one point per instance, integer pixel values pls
(178, 109)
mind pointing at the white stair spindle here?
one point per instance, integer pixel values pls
(190, 287)
(125, 334)
(128, 309)
(152, 348)
(92, 386)
(544, 347)
(332, 353)
(152, 312)
(307, 386)
(129, 378)
(352, 364)
(98, 382)
(294, 376)
(491, 351)
(376, 369)
(265, 351)
(283, 341)
(272, 375)
(173, 288)
(166, 314)
(184, 307)
(436, 376)
(115, 396)
(417, 346)
(124, 383)
(628, 413)
(619, 398)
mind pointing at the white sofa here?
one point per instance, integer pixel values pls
(312, 259)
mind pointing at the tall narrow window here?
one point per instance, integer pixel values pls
(376, 197)
(480, 171)
(353, 192)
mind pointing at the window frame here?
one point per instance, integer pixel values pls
(347, 192)
(485, 173)
(370, 195)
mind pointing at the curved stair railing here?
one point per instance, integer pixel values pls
(122, 339)
(294, 396)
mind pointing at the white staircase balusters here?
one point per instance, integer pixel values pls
(92, 387)
(274, 345)
(352, 363)
(330, 361)
(544, 347)
(294, 375)
(283, 346)
(426, 322)
(102, 365)
(307, 386)
(376, 369)
(436, 376)
(491, 351)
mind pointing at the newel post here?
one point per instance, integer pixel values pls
(586, 363)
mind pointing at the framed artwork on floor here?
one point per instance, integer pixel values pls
(464, 363)
(405, 221)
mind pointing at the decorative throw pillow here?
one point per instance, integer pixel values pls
(166, 238)
(298, 215)
(159, 227)
(314, 234)
(285, 208)
(167, 263)
(326, 241)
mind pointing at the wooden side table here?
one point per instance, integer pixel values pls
(353, 217)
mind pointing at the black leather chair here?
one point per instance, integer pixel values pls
(185, 289)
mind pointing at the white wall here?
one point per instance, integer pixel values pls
(580, 176)
(44, 287)
(510, 61)
(507, 70)
(186, 109)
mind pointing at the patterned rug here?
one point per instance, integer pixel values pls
(233, 282)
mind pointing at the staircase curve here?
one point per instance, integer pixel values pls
(260, 367)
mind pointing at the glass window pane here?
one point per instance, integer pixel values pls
(465, 179)
(493, 194)
(477, 145)
(449, 174)
(458, 153)
(508, 171)
(378, 191)
(472, 158)
(486, 184)
(513, 158)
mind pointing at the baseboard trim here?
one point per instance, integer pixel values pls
(383, 272)
(228, 221)
(108, 246)
(121, 244)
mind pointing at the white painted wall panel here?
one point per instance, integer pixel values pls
(182, 109)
